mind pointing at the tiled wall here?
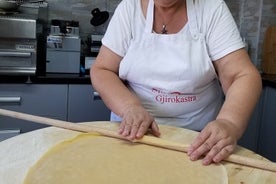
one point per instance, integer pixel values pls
(252, 17)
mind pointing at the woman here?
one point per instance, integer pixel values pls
(168, 62)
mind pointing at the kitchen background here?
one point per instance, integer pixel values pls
(252, 17)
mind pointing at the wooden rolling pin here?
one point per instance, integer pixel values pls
(149, 140)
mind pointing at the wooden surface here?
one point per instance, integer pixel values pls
(19, 153)
(269, 51)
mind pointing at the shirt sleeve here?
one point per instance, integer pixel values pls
(222, 36)
(118, 34)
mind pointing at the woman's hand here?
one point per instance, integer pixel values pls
(215, 142)
(136, 121)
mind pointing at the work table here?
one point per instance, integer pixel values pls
(48, 137)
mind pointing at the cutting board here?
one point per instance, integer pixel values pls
(19, 153)
(269, 51)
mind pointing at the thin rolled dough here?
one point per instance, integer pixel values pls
(90, 158)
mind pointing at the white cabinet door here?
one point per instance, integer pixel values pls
(37, 99)
(85, 105)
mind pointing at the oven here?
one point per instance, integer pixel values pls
(18, 45)
(17, 57)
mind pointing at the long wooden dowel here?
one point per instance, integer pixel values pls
(149, 140)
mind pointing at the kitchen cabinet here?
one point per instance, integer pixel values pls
(75, 103)
(267, 132)
(84, 104)
(250, 137)
(37, 99)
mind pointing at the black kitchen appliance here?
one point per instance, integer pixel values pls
(98, 17)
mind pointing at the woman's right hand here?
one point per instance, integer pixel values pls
(136, 121)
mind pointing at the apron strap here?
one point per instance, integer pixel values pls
(149, 18)
(192, 20)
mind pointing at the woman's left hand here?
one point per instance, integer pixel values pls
(215, 142)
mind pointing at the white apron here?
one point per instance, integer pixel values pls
(173, 75)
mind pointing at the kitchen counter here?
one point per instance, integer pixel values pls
(269, 80)
(48, 79)
(61, 79)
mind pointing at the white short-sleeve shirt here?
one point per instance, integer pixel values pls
(214, 20)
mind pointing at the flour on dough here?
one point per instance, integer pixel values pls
(90, 158)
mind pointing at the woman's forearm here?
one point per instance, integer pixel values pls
(240, 100)
(112, 90)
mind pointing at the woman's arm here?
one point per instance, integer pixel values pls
(242, 86)
(241, 83)
(104, 76)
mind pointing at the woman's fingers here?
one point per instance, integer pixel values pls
(155, 129)
(200, 145)
(143, 128)
(125, 127)
(225, 152)
(134, 130)
(136, 122)
(218, 152)
(216, 142)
